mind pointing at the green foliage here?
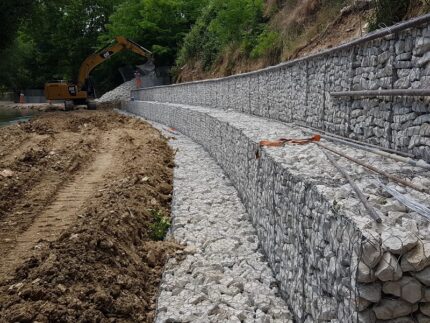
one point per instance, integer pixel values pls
(388, 12)
(13, 68)
(221, 24)
(159, 25)
(159, 226)
(66, 33)
(57, 36)
(201, 42)
(12, 13)
(60, 34)
(268, 42)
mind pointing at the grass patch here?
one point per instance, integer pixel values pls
(160, 225)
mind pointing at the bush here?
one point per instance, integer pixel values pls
(388, 12)
(268, 43)
(222, 24)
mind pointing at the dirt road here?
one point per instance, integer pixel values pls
(82, 198)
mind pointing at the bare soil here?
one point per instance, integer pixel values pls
(77, 194)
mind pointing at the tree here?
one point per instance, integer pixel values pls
(58, 36)
(12, 12)
(159, 25)
(223, 23)
(66, 33)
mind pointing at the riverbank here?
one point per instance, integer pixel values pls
(12, 113)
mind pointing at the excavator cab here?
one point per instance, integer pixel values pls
(82, 92)
(67, 92)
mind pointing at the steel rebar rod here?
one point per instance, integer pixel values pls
(374, 93)
(376, 170)
(417, 163)
(406, 200)
(401, 153)
(354, 186)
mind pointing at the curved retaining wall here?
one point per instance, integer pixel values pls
(332, 261)
(299, 90)
(312, 250)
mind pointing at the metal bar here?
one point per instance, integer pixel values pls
(376, 170)
(406, 200)
(373, 93)
(417, 163)
(354, 186)
(401, 153)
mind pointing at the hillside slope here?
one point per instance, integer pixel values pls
(287, 29)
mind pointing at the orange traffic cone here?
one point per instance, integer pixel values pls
(21, 98)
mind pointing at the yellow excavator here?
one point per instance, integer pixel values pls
(83, 91)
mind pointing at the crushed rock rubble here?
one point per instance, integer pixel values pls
(120, 93)
(224, 276)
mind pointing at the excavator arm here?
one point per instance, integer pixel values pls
(81, 92)
(96, 59)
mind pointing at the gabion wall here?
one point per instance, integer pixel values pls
(300, 233)
(328, 268)
(299, 91)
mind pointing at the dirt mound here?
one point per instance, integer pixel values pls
(105, 266)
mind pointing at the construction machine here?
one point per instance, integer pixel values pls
(82, 92)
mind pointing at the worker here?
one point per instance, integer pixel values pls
(138, 79)
(22, 97)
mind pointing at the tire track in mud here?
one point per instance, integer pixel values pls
(63, 210)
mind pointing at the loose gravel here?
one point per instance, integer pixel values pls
(121, 92)
(224, 276)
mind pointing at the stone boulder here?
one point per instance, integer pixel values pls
(425, 308)
(407, 288)
(423, 276)
(365, 274)
(388, 268)
(389, 309)
(371, 252)
(370, 292)
(421, 318)
(418, 258)
(398, 242)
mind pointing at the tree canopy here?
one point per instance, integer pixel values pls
(159, 25)
(220, 24)
(55, 36)
(41, 40)
(12, 12)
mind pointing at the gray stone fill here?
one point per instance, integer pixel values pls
(299, 91)
(323, 248)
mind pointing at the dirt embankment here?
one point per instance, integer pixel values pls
(82, 198)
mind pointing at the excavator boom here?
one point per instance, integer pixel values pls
(79, 93)
(96, 59)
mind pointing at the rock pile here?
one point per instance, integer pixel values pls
(224, 276)
(120, 93)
